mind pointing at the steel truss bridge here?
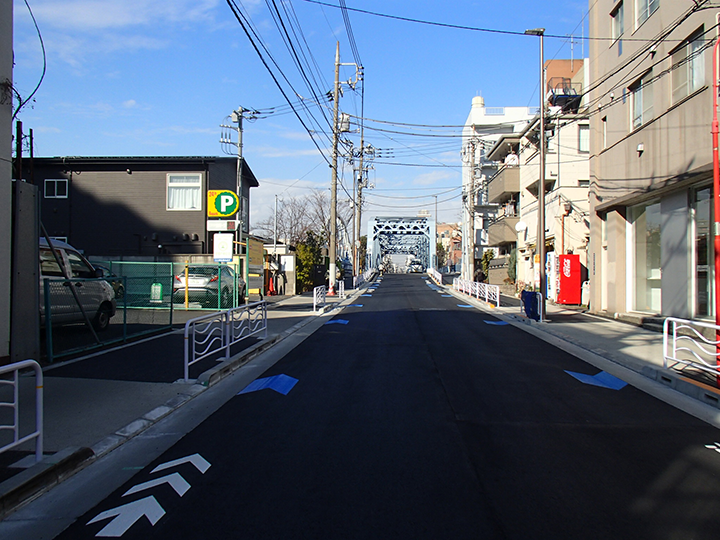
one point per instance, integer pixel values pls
(401, 236)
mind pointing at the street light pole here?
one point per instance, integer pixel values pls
(541, 181)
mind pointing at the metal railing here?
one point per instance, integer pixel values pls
(319, 294)
(210, 334)
(14, 404)
(435, 275)
(341, 288)
(684, 343)
(481, 291)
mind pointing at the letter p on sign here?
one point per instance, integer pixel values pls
(222, 203)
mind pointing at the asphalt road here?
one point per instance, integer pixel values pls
(415, 417)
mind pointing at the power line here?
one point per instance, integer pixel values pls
(453, 26)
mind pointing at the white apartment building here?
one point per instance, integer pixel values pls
(483, 128)
(651, 245)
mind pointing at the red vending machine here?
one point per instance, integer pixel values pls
(569, 276)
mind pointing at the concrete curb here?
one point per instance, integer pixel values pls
(39, 478)
(36, 480)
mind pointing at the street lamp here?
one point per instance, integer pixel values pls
(541, 183)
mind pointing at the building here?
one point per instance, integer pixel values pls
(136, 206)
(514, 186)
(651, 245)
(450, 238)
(483, 127)
(6, 112)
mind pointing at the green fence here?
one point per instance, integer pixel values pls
(146, 294)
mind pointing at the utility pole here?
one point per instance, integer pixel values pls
(333, 182)
(358, 199)
(469, 256)
(225, 138)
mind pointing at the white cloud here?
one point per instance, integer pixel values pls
(433, 177)
(101, 15)
(130, 104)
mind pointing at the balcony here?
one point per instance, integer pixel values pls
(504, 185)
(502, 231)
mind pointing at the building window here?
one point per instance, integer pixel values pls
(618, 25)
(56, 189)
(604, 132)
(702, 213)
(584, 138)
(688, 67)
(645, 8)
(184, 192)
(647, 257)
(642, 100)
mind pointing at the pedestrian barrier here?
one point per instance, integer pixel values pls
(686, 343)
(14, 405)
(341, 289)
(364, 277)
(319, 294)
(210, 334)
(435, 275)
(530, 302)
(481, 291)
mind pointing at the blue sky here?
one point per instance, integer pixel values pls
(156, 78)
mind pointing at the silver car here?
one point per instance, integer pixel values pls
(206, 287)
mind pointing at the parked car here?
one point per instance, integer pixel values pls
(96, 296)
(113, 279)
(204, 286)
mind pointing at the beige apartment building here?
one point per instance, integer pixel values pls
(650, 198)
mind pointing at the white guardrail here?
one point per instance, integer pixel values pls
(209, 334)
(319, 294)
(364, 277)
(481, 291)
(14, 404)
(435, 275)
(686, 343)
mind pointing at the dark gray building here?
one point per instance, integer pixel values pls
(134, 205)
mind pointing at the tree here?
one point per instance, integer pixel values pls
(441, 255)
(512, 265)
(487, 256)
(309, 253)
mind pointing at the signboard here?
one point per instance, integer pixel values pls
(223, 247)
(256, 254)
(222, 203)
(221, 224)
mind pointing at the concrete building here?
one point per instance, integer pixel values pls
(483, 127)
(6, 111)
(450, 237)
(514, 186)
(651, 245)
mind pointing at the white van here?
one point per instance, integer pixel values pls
(96, 296)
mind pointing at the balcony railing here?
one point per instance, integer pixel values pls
(502, 231)
(504, 185)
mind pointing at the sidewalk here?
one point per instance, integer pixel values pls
(86, 415)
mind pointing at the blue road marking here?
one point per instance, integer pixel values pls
(280, 383)
(355, 305)
(366, 295)
(464, 305)
(338, 321)
(602, 379)
(447, 295)
(496, 323)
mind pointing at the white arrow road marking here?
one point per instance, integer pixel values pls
(127, 514)
(200, 463)
(178, 483)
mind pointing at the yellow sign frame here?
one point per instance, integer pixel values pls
(213, 195)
